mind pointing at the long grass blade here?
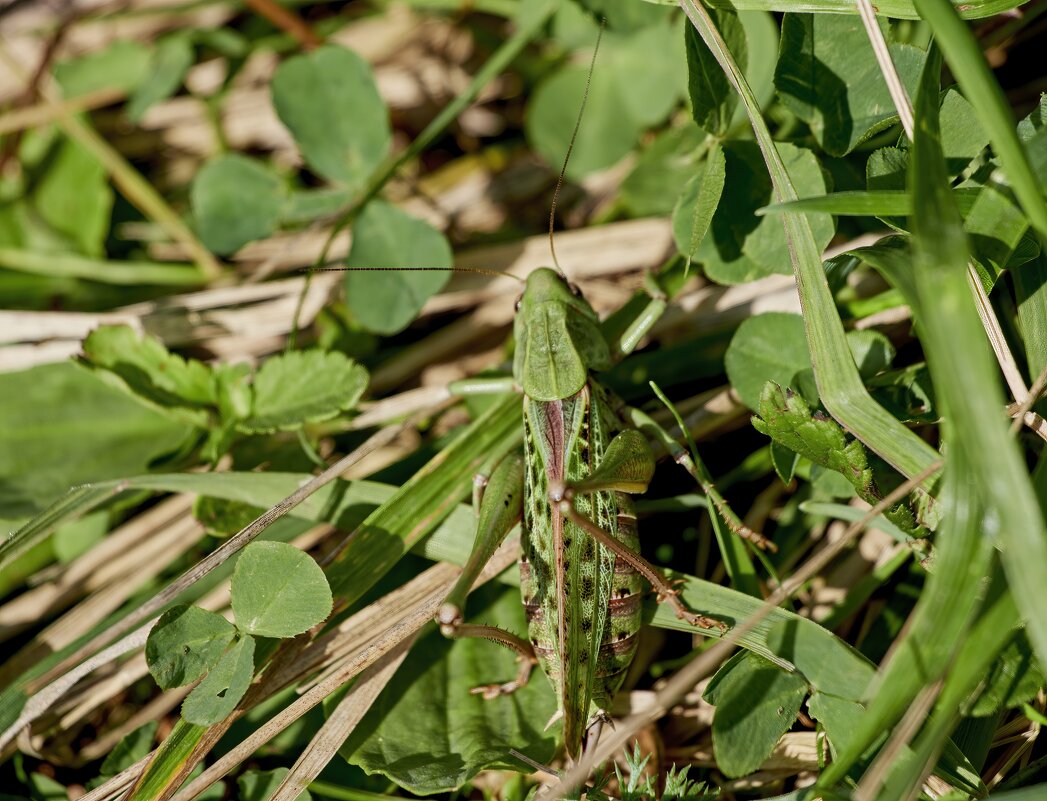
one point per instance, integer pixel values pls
(839, 384)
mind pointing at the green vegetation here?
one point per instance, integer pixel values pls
(235, 479)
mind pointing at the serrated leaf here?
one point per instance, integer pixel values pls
(301, 387)
(756, 703)
(259, 785)
(712, 97)
(170, 61)
(146, 368)
(278, 591)
(329, 101)
(386, 302)
(221, 690)
(186, 642)
(741, 246)
(697, 203)
(828, 76)
(236, 200)
(427, 732)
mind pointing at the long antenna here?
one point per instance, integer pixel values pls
(570, 147)
(479, 270)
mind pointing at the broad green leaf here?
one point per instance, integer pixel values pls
(185, 643)
(697, 203)
(259, 785)
(170, 61)
(132, 747)
(636, 84)
(301, 387)
(78, 537)
(428, 733)
(740, 246)
(828, 76)
(278, 590)
(756, 703)
(662, 169)
(712, 98)
(963, 138)
(1014, 678)
(95, 433)
(73, 196)
(235, 201)
(873, 352)
(386, 301)
(121, 65)
(772, 347)
(225, 684)
(149, 371)
(329, 102)
(767, 347)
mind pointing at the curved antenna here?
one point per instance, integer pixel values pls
(570, 148)
(478, 270)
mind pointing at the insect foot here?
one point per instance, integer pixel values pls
(671, 595)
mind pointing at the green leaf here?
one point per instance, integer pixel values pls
(132, 747)
(636, 84)
(756, 703)
(73, 196)
(828, 76)
(697, 203)
(149, 371)
(429, 734)
(385, 302)
(278, 591)
(662, 170)
(235, 200)
(873, 352)
(221, 690)
(259, 785)
(121, 65)
(170, 61)
(767, 347)
(1014, 679)
(95, 433)
(329, 101)
(712, 97)
(186, 642)
(301, 387)
(740, 246)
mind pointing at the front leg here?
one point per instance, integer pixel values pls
(500, 509)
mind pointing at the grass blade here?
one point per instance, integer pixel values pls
(839, 384)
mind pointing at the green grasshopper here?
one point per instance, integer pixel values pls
(580, 572)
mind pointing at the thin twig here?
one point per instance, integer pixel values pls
(1029, 401)
(287, 21)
